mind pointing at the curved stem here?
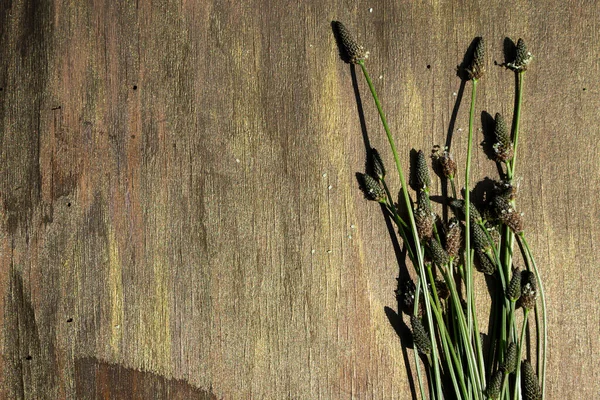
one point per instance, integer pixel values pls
(519, 350)
(542, 367)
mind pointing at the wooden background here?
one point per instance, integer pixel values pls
(179, 212)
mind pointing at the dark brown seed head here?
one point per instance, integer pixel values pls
(510, 360)
(530, 387)
(477, 67)
(513, 291)
(528, 290)
(422, 176)
(406, 296)
(420, 336)
(503, 148)
(494, 385)
(353, 50)
(445, 162)
(485, 264)
(377, 164)
(438, 254)
(514, 221)
(453, 238)
(522, 59)
(423, 216)
(371, 188)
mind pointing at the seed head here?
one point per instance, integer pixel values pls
(513, 291)
(354, 51)
(406, 296)
(510, 360)
(530, 387)
(453, 238)
(422, 179)
(485, 264)
(459, 205)
(420, 336)
(522, 59)
(480, 240)
(423, 216)
(495, 385)
(514, 221)
(377, 164)
(445, 162)
(528, 290)
(371, 188)
(503, 148)
(438, 254)
(477, 67)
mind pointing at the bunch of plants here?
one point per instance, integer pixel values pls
(459, 360)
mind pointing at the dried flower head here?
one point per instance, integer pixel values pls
(528, 290)
(503, 147)
(477, 67)
(354, 51)
(522, 59)
(445, 162)
(377, 164)
(420, 336)
(530, 387)
(513, 291)
(510, 360)
(504, 211)
(423, 216)
(453, 238)
(494, 385)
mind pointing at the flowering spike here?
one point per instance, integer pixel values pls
(353, 50)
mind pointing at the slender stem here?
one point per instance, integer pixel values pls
(510, 170)
(410, 216)
(542, 371)
(445, 336)
(519, 350)
(468, 269)
(416, 353)
(464, 335)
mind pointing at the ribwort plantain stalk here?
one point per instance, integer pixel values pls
(411, 218)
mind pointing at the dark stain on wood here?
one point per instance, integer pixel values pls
(95, 379)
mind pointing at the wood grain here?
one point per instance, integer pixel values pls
(180, 216)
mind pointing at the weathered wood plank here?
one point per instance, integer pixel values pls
(180, 216)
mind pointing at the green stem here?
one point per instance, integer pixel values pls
(464, 335)
(519, 350)
(510, 170)
(468, 269)
(411, 219)
(416, 353)
(542, 368)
